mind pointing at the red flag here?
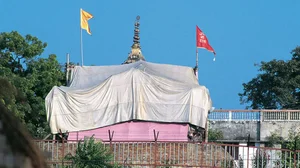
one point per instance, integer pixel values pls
(202, 41)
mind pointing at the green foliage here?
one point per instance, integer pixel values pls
(169, 163)
(15, 49)
(227, 163)
(260, 159)
(28, 79)
(214, 134)
(274, 139)
(277, 86)
(9, 96)
(92, 154)
(292, 143)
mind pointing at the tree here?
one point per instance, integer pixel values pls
(15, 49)
(30, 78)
(91, 154)
(44, 73)
(277, 86)
(9, 95)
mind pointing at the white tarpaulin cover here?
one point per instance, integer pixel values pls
(100, 96)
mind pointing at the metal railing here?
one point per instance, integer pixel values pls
(180, 154)
(254, 115)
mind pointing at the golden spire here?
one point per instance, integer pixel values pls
(136, 52)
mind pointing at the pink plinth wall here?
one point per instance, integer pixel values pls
(136, 131)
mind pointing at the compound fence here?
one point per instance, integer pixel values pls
(179, 154)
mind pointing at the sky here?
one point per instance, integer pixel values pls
(242, 33)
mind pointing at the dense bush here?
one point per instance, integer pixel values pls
(92, 154)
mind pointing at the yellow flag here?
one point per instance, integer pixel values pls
(84, 17)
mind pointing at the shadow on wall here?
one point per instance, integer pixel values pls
(237, 130)
(16, 146)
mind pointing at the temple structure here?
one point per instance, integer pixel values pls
(134, 101)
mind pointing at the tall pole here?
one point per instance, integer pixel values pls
(67, 69)
(81, 45)
(196, 68)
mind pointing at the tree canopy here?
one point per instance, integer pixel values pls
(26, 78)
(277, 86)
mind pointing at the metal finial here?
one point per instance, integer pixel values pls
(136, 53)
(136, 37)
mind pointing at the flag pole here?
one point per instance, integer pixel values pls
(81, 45)
(196, 68)
(67, 69)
